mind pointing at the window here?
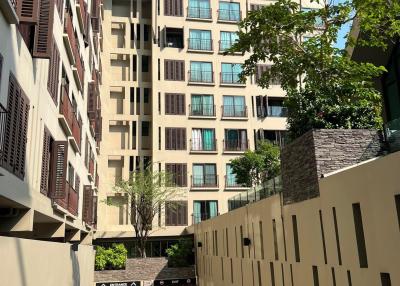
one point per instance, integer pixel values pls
(178, 173)
(174, 70)
(277, 137)
(230, 180)
(146, 31)
(145, 128)
(202, 105)
(199, 9)
(276, 108)
(54, 71)
(176, 213)
(174, 38)
(203, 210)
(230, 73)
(318, 20)
(255, 7)
(229, 11)
(234, 106)
(200, 40)
(201, 72)
(204, 175)
(175, 138)
(203, 140)
(227, 40)
(263, 68)
(173, 8)
(235, 140)
(16, 128)
(175, 103)
(145, 63)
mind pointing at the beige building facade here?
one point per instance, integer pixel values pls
(172, 98)
(346, 236)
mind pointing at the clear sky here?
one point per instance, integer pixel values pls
(341, 43)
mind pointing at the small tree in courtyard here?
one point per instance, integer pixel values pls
(255, 167)
(325, 87)
(146, 193)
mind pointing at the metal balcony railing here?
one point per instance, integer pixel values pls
(203, 145)
(202, 109)
(234, 111)
(229, 15)
(201, 76)
(200, 44)
(204, 181)
(3, 122)
(236, 145)
(230, 78)
(199, 13)
(230, 182)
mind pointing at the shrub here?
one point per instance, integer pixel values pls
(112, 258)
(180, 254)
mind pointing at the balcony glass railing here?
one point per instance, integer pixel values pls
(199, 13)
(201, 76)
(392, 133)
(236, 145)
(200, 44)
(229, 15)
(277, 111)
(204, 181)
(230, 77)
(203, 144)
(234, 111)
(269, 188)
(202, 109)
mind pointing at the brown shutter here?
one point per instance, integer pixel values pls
(77, 183)
(183, 137)
(27, 11)
(179, 8)
(58, 169)
(44, 30)
(168, 65)
(60, 5)
(167, 7)
(87, 204)
(44, 178)
(54, 73)
(1, 66)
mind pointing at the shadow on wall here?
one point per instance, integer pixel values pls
(21, 263)
(76, 274)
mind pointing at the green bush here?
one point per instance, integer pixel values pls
(112, 258)
(180, 254)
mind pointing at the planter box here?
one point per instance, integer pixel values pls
(322, 151)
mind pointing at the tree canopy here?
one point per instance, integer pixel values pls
(325, 87)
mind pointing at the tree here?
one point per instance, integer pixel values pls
(146, 193)
(181, 254)
(255, 167)
(325, 87)
(111, 258)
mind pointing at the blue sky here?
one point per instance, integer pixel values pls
(341, 43)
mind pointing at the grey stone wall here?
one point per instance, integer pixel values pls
(145, 269)
(320, 152)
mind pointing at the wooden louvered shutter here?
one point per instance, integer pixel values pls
(59, 169)
(1, 66)
(183, 139)
(168, 103)
(77, 183)
(27, 11)
(179, 70)
(168, 67)
(94, 210)
(173, 138)
(184, 212)
(60, 5)
(168, 139)
(184, 175)
(54, 73)
(44, 30)
(44, 177)
(167, 7)
(87, 203)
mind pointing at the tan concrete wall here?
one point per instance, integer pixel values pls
(373, 185)
(117, 30)
(31, 262)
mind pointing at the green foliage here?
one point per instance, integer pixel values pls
(146, 192)
(325, 88)
(255, 167)
(111, 258)
(180, 254)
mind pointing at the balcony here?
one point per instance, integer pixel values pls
(199, 217)
(234, 112)
(203, 146)
(236, 145)
(197, 13)
(231, 78)
(66, 116)
(200, 45)
(82, 14)
(8, 7)
(75, 140)
(201, 77)
(91, 170)
(70, 202)
(231, 16)
(209, 181)
(202, 110)
(3, 121)
(69, 37)
(77, 70)
(277, 111)
(230, 183)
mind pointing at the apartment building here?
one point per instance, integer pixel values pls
(171, 97)
(50, 119)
